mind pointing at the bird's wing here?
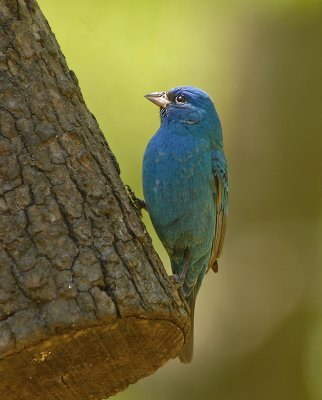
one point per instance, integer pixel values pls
(220, 191)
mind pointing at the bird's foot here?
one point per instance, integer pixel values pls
(179, 279)
(138, 203)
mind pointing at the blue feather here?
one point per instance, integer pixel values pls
(185, 185)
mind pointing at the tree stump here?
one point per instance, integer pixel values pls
(86, 307)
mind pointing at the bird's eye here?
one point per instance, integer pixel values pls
(180, 99)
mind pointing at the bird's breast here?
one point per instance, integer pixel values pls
(177, 181)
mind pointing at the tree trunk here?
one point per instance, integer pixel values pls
(86, 307)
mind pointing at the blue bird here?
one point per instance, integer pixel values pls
(185, 188)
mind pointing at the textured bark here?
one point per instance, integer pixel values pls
(85, 305)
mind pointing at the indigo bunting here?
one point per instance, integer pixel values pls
(185, 188)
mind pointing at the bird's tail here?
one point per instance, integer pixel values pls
(186, 353)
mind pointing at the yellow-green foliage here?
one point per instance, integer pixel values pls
(258, 322)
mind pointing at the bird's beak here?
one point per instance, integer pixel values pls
(158, 98)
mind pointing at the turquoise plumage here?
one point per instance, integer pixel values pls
(185, 187)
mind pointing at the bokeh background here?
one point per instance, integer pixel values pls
(259, 321)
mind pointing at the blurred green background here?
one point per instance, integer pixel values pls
(259, 321)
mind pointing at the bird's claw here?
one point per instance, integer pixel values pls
(177, 283)
(179, 279)
(138, 203)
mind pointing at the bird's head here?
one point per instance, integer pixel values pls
(189, 106)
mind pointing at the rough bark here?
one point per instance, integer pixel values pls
(85, 305)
